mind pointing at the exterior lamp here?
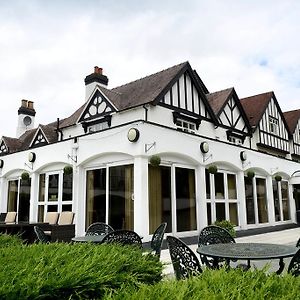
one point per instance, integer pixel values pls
(243, 156)
(204, 147)
(31, 157)
(133, 135)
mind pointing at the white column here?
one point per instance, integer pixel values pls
(201, 198)
(292, 203)
(34, 195)
(270, 200)
(79, 199)
(3, 192)
(242, 210)
(141, 202)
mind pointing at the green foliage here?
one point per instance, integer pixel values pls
(250, 174)
(25, 176)
(7, 240)
(217, 284)
(278, 178)
(68, 170)
(155, 160)
(227, 225)
(213, 169)
(73, 271)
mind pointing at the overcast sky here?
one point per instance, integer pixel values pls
(48, 47)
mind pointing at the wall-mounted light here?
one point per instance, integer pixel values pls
(243, 155)
(1, 163)
(31, 157)
(133, 135)
(204, 147)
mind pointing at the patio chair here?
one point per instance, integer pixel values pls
(99, 228)
(184, 260)
(40, 234)
(51, 217)
(123, 237)
(157, 239)
(298, 243)
(10, 217)
(213, 235)
(2, 217)
(66, 218)
(294, 266)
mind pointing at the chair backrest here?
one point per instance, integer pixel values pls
(184, 260)
(40, 234)
(157, 238)
(51, 217)
(123, 237)
(294, 266)
(10, 217)
(99, 228)
(65, 218)
(298, 243)
(213, 235)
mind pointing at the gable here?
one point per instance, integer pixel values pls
(96, 107)
(39, 139)
(3, 148)
(185, 95)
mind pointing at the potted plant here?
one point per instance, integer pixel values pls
(250, 174)
(25, 175)
(278, 177)
(212, 169)
(155, 160)
(68, 170)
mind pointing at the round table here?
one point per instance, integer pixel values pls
(249, 251)
(89, 238)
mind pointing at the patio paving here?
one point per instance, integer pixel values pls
(285, 237)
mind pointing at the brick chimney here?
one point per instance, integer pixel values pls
(96, 78)
(26, 114)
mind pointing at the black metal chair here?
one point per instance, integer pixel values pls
(40, 234)
(184, 260)
(294, 266)
(123, 237)
(157, 239)
(213, 235)
(298, 243)
(99, 228)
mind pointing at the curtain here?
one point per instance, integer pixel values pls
(192, 200)
(90, 193)
(129, 203)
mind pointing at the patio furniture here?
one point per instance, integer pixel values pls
(184, 260)
(157, 239)
(2, 217)
(10, 217)
(298, 243)
(65, 218)
(51, 217)
(213, 235)
(247, 251)
(40, 234)
(98, 228)
(294, 266)
(123, 237)
(97, 239)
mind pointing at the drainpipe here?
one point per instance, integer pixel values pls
(58, 130)
(146, 112)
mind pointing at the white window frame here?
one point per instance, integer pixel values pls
(190, 126)
(273, 125)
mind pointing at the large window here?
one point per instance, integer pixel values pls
(174, 204)
(18, 199)
(281, 201)
(221, 193)
(109, 196)
(55, 193)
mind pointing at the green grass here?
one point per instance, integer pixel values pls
(66, 271)
(10, 240)
(215, 285)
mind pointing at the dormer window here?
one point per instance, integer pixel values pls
(97, 127)
(185, 126)
(273, 125)
(185, 123)
(235, 140)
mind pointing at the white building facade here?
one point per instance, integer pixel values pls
(212, 164)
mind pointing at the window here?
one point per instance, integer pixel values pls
(185, 126)
(273, 125)
(98, 127)
(235, 140)
(281, 201)
(55, 193)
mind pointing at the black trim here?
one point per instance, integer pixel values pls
(107, 119)
(273, 135)
(272, 148)
(26, 111)
(230, 133)
(95, 77)
(177, 115)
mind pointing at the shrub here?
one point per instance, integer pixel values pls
(155, 160)
(7, 240)
(73, 271)
(278, 178)
(250, 174)
(68, 170)
(25, 176)
(217, 284)
(213, 169)
(226, 225)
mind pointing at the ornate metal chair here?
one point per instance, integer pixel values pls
(40, 234)
(157, 239)
(99, 228)
(298, 243)
(294, 266)
(123, 237)
(184, 260)
(213, 235)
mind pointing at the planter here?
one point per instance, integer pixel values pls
(155, 160)
(250, 174)
(68, 170)
(213, 169)
(278, 178)
(25, 176)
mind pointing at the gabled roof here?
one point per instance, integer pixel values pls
(255, 106)
(48, 132)
(12, 143)
(292, 117)
(218, 100)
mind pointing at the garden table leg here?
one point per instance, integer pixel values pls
(281, 266)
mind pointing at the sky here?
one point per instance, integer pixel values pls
(48, 47)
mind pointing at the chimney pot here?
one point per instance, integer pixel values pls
(98, 70)
(24, 103)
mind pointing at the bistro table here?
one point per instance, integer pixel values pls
(248, 251)
(89, 238)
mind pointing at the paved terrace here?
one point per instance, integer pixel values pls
(287, 235)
